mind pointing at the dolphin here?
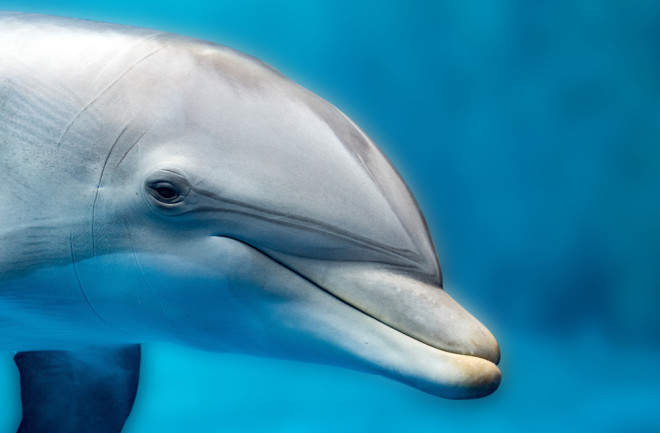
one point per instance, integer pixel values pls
(162, 188)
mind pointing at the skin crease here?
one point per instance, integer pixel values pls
(202, 198)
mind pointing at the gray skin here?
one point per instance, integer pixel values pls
(161, 188)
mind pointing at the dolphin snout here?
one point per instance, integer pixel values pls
(419, 309)
(444, 343)
(410, 304)
(412, 330)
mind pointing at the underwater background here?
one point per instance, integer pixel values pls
(529, 132)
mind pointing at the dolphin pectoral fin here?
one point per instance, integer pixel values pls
(90, 390)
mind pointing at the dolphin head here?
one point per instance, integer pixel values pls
(247, 214)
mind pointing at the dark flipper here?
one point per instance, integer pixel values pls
(90, 390)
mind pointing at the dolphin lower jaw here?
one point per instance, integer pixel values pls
(369, 342)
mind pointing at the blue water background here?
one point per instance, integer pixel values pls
(530, 134)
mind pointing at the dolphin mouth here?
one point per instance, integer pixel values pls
(438, 369)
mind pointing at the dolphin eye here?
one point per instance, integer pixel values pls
(164, 192)
(166, 188)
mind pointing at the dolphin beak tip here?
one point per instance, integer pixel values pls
(481, 378)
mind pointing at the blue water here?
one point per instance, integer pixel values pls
(530, 134)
